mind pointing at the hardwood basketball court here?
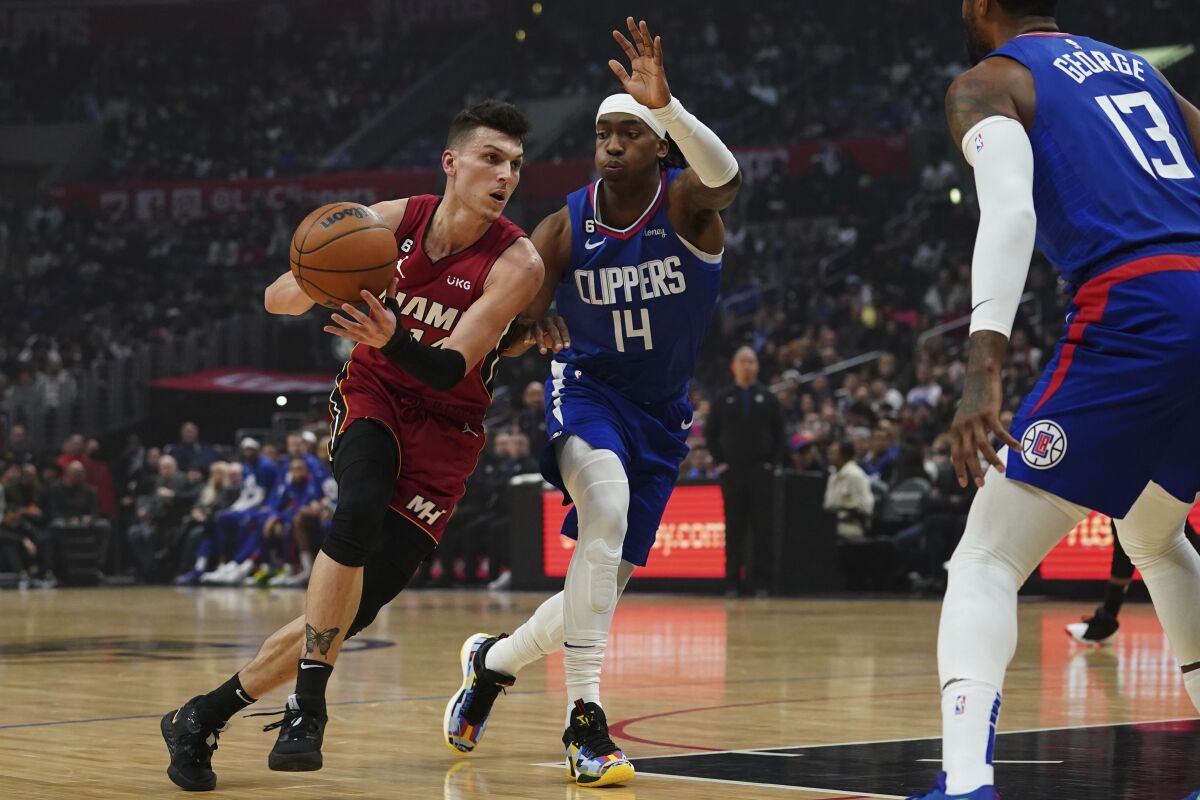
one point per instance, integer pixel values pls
(798, 699)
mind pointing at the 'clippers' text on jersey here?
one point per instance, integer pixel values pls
(638, 300)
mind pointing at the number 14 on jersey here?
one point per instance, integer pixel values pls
(624, 328)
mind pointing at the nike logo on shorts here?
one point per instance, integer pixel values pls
(590, 245)
(686, 425)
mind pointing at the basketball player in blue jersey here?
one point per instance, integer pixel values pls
(1087, 149)
(634, 267)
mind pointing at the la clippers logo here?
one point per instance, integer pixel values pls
(1044, 444)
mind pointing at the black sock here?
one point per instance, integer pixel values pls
(227, 699)
(311, 678)
(1114, 596)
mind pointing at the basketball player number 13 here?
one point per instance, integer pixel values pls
(625, 329)
(1119, 106)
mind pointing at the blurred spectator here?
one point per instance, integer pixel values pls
(24, 550)
(72, 505)
(158, 514)
(258, 464)
(746, 435)
(71, 501)
(804, 454)
(18, 448)
(23, 490)
(848, 493)
(199, 534)
(189, 452)
(532, 419)
(296, 491)
(99, 477)
(880, 458)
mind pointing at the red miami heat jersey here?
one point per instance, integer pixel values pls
(433, 296)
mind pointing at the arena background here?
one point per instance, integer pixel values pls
(156, 156)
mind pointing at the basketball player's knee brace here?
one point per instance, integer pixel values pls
(602, 559)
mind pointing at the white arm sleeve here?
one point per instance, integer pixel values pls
(712, 161)
(999, 150)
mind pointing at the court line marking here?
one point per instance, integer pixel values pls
(997, 761)
(712, 751)
(783, 787)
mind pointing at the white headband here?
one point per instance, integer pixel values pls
(625, 104)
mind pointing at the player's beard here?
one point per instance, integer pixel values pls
(977, 49)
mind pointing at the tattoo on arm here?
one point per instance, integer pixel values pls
(321, 640)
(984, 91)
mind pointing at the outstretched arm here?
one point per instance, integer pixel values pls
(713, 178)
(984, 109)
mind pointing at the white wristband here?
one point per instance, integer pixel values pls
(713, 162)
(999, 150)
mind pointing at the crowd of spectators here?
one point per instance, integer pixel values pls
(823, 264)
(194, 513)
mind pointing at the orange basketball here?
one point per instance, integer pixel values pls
(341, 249)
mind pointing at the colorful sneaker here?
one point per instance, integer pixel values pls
(261, 576)
(592, 757)
(1097, 629)
(191, 740)
(467, 712)
(939, 792)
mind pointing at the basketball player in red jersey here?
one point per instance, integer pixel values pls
(407, 429)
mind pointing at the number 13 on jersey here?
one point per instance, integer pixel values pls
(624, 328)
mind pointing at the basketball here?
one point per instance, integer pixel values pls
(341, 249)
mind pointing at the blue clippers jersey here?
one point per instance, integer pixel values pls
(1115, 172)
(638, 301)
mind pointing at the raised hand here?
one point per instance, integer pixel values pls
(648, 83)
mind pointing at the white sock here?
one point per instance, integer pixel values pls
(201, 563)
(970, 710)
(1010, 529)
(538, 636)
(306, 562)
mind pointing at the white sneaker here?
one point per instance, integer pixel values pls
(502, 582)
(220, 575)
(240, 572)
(297, 581)
(281, 577)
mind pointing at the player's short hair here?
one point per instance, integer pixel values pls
(1030, 8)
(495, 114)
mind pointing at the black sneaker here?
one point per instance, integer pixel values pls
(298, 748)
(1097, 629)
(191, 741)
(592, 757)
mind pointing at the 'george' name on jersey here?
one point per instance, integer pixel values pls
(651, 279)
